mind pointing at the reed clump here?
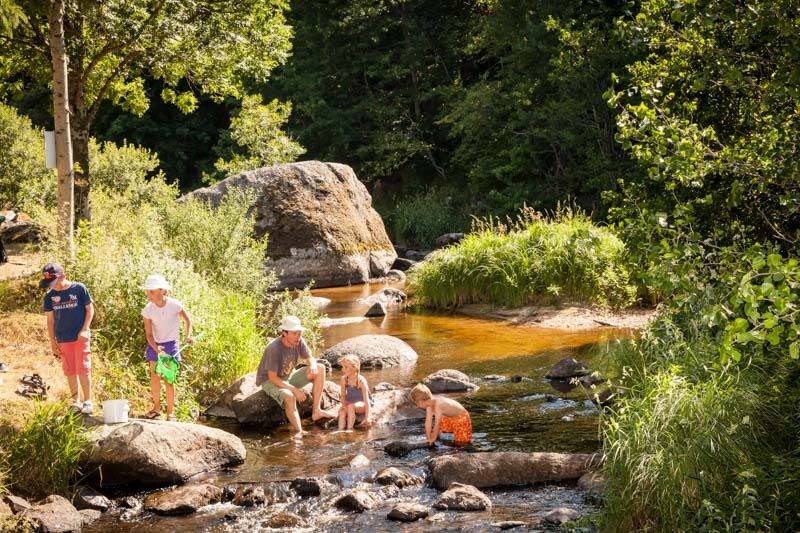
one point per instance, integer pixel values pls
(698, 442)
(528, 259)
(44, 455)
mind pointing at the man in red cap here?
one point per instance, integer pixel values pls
(69, 311)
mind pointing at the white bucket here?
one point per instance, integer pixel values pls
(115, 411)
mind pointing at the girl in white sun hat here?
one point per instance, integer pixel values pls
(162, 318)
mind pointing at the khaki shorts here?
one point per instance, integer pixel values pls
(298, 378)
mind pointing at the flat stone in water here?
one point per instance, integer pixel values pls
(183, 500)
(562, 515)
(408, 512)
(460, 497)
(357, 500)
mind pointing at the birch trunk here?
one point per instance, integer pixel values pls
(66, 178)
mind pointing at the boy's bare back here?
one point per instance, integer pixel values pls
(447, 407)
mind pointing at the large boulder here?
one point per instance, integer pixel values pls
(375, 351)
(498, 469)
(249, 404)
(320, 222)
(158, 453)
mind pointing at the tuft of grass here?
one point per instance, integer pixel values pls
(43, 457)
(531, 259)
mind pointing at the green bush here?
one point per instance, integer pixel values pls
(420, 219)
(219, 242)
(43, 457)
(706, 437)
(24, 180)
(129, 238)
(527, 260)
(128, 169)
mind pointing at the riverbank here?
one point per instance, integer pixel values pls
(567, 316)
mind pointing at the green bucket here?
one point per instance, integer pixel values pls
(167, 367)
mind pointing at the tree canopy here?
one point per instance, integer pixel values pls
(218, 47)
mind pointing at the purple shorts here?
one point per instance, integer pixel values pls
(169, 347)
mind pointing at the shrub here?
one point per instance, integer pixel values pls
(24, 179)
(128, 169)
(706, 437)
(44, 455)
(530, 259)
(221, 291)
(420, 219)
(219, 242)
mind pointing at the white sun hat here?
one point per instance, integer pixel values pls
(156, 281)
(291, 323)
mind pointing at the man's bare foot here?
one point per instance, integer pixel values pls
(322, 413)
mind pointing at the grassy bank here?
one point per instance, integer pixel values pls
(532, 259)
(706, 438)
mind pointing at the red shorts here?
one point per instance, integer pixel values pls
(460, 427)
(75, 360)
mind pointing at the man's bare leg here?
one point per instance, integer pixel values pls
(290, 408)
(316, 392)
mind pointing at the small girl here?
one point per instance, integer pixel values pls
(162, 316)
(355, 393)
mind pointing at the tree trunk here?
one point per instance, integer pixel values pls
(66, 178)
(80, 142)
(82, 118)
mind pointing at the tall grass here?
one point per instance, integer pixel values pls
(43, 457)
(696, 445)
(527, 260)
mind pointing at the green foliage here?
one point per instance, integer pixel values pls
(129, 169)
(220, 281)
(24, 179)
(711, 112)
(525, 261)
(706, 437)
(218, 241)
(216, 47)
(256, 130)
(501, 100)
(44, 456)
(420, 219)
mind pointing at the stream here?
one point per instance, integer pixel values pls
(521, 415)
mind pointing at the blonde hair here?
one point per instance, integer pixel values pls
(420, 392)
(352, 359)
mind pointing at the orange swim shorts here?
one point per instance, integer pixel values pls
(460, 427)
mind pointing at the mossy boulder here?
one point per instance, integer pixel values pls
(320, 222)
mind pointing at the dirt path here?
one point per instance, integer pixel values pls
(21, 262)
(564, 317)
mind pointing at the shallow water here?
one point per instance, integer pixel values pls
(527, 415)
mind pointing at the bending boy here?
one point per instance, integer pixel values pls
(444, 414)
(283, 383)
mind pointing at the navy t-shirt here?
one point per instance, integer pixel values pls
(69, 310)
